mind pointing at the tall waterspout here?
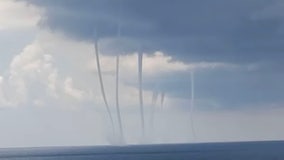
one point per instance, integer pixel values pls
(102, 84)
(117, 83)
(153, 109)
(140, 65)
(163, 94)
(117, 100)
(192, 104)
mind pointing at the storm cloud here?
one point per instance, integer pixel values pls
(221, 30)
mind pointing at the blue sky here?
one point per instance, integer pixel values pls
(49, 88)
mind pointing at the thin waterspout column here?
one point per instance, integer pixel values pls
(153, 108)
(117, 79)
(102, 85)
(140, 66)
(192, 105)
(163, 99)
(117, 100)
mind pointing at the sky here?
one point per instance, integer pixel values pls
(49, 86)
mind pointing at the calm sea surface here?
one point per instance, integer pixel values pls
(272, 150)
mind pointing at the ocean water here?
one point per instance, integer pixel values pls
(270, 150)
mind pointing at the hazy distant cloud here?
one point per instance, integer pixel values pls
(49, 71)
(27, 75)
(50, 65)
(70, 90)
(3, 100)
(31, 79)
(18, 15)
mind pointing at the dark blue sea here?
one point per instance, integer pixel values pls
(270, 150)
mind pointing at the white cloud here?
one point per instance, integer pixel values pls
(38, 103)
(70, 90)
(3, 100)
(211, 65)
(18, 15)
(77, 60)
(38, 74)
(59, 68)
(156, 64)
(31, 74)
